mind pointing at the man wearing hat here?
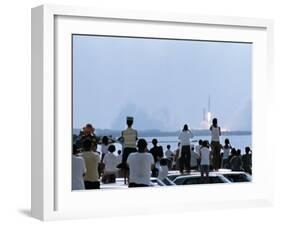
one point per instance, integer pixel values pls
(129, 137)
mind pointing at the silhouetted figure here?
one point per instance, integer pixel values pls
(215, 144)
(184, 154)
(247, 161)
(236, 161)
(157, 153)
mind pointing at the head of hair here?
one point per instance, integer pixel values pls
(233, 151)
(111, 148)
(179, 144)
(226, 141)
(119, 152)
(168, 146)
(130, 122)
(185, 127)
(205, 143)
(163, 162)
(238, 152)
(215, 121)
(154, 141)
(87, 144)
(142, 144)
(104, 140)
(247, 150)
(200, 142)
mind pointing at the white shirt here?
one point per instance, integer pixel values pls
(140, 167)
(197, 149)
(205, 156)
(163, 172)
(78, 169)
(169, 153)
(226, 152)
(185, 137)
(110, 161)
(104, 149)
(193, 158)
(119, 158)
(215, 132)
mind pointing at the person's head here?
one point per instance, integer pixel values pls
(88, 129)
(105, 140)
(233, 151)
(226, 142)
(87, 145)
(215, 122)
(179, 144)
(75, 150)
(142, 144)
(154, 142)
(168, 147)
(130, 121)
(185, 127)
(205, 143)
(238, 152)
(111, 148)
(119, 152)
(247, 150)
(163, 162)
(200, 142)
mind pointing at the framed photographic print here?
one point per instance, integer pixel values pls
(133, 109)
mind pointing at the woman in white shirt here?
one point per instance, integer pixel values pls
(184, 154)
(215, 144)
(226, 153)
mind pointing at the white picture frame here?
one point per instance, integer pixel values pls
(51, 125)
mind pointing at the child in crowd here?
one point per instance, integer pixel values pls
(170, 156)
(226, 153)
(205, 159)
(163, 170)
(110, 162)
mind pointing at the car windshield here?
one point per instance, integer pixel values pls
(237, 177)
(198, 180)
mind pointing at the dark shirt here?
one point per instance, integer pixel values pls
(236, 163)
(157, 153)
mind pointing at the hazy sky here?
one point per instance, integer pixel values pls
(162, 83)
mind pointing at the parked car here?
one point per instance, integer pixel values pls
(195, 178)
(153, 182)
(234, 176)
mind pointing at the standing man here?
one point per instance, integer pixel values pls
(129, 137)
(215, 144)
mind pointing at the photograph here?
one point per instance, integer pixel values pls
(157, 112)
